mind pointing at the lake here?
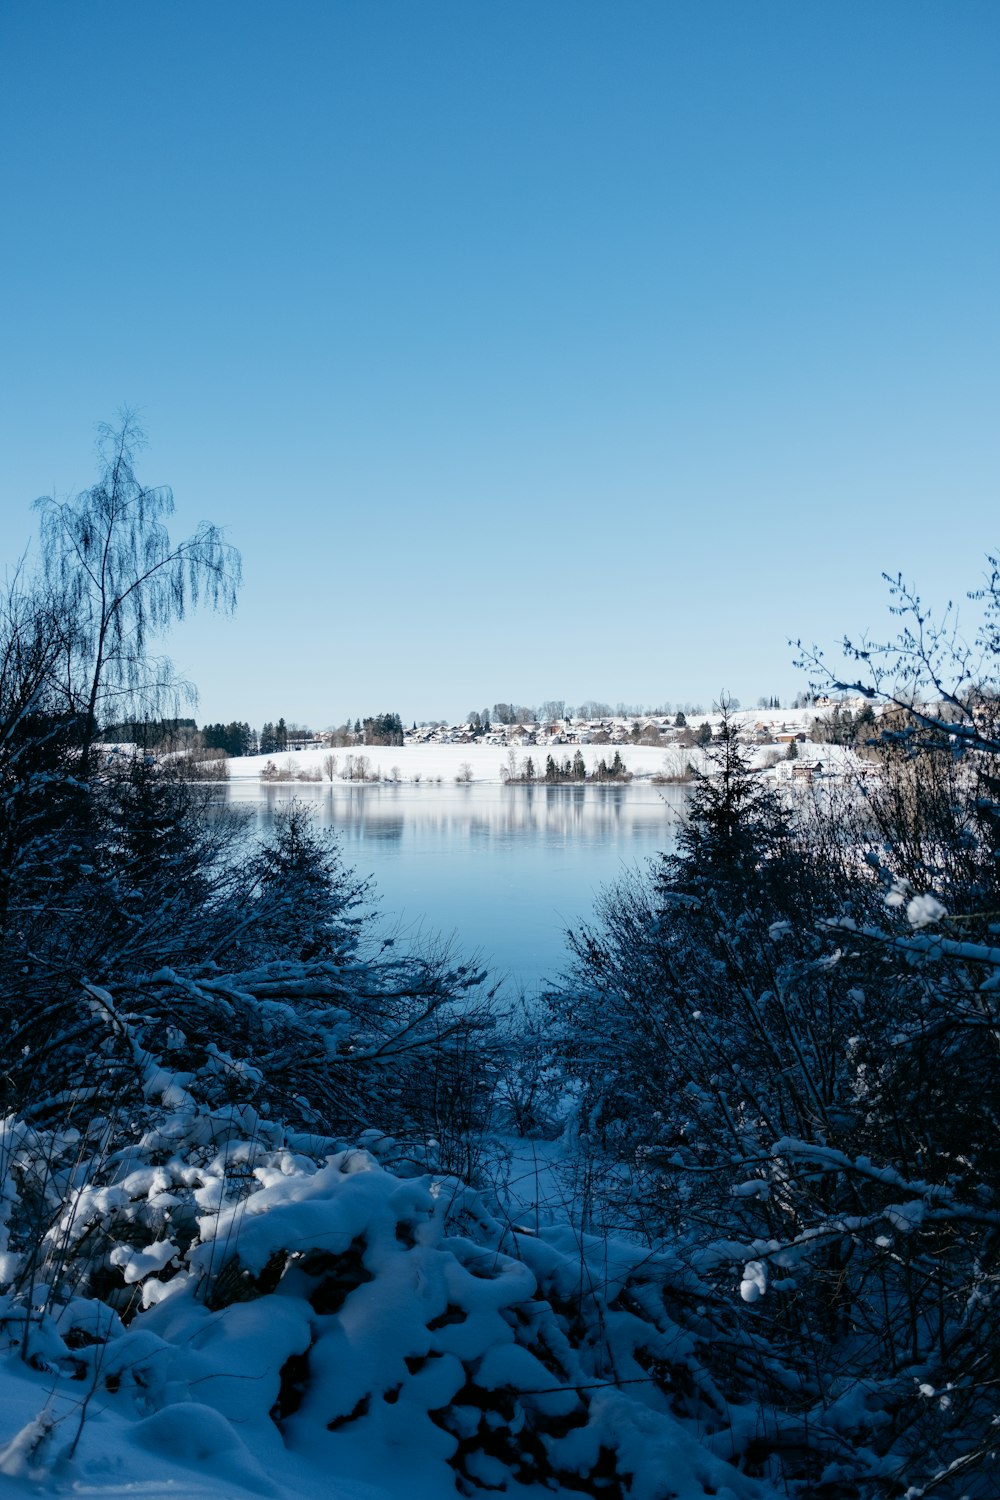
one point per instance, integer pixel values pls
(502, 869)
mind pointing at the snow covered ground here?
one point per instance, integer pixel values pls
(446, 763)
(347, 1333)
(478, 762)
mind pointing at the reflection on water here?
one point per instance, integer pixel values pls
(504, 869)
(382, 810)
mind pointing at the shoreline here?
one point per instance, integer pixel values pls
(414, 765)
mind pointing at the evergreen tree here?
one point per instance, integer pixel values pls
(308, 904)
(736, 823)
(234, 738)
(383, 729)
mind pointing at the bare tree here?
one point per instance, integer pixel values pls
(34, 630)
(930, 673)
(108, 555)
(509, 770)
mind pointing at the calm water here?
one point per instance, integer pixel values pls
(504, 869)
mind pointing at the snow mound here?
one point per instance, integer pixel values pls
(339, 1320)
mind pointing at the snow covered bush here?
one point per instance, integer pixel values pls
(153, 956)
(185, 955)
(260, 1297)
(789, 1069)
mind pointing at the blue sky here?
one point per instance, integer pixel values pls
(550, 349)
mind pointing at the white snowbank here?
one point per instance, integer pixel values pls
(351, 1334)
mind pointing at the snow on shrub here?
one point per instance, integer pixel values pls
(359, 1313)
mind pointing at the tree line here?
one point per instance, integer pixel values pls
(558, 772)
(238, 738)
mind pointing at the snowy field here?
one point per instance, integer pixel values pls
(447, 763)
(433, 763)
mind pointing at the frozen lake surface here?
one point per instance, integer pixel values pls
(503, 869)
